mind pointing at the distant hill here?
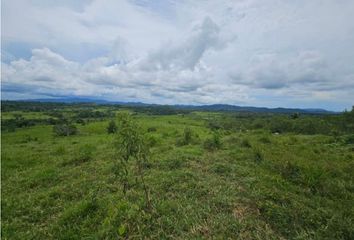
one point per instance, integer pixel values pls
(233, 108)
(212, 107)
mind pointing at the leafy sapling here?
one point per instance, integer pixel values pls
(131, 146)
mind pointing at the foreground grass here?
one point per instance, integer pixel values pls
(257, 186)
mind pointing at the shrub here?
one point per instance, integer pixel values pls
(94, 114)
(281, 125)
(64, 130)
(152, 129)
(245, 143)
(80, 121)
(29, 138)
(213, 125)
(314, 178)
(264, 139)
(112, 127)
(290, 171)
(293, 140)
(186, 137)
(19, 122)
(60, 150)
(294, 115)
(85, 153)
(308, 126)
(174, 163)
(349, 139)
(151, 141)
(258, 125)
(258, 156)
(220, 169)
(213, 143)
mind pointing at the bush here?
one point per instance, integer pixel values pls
(112, 127)
(349, 139)
(94, 114)
(213, 143)
(294, 115)
(29, 138)
(314, 179)
(186, 138)
(246, 143)
(60, 151)
(65, 130)
(221, 169)
(281, 125)
(151, 141)
(152, 129)
(85, 153)
(80, 121)
(290, 171)
(174, 163)
(10, 125)
(258, 155)
(257, 125)
(264, 139)
(213, 125)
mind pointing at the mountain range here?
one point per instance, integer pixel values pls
(211, 107)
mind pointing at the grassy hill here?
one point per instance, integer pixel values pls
(270, 177)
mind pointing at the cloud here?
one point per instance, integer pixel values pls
(278, 53)
(44, 71)
(185, 55)
(274, 71)
(175, 72)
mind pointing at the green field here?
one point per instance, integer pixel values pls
(269, 177)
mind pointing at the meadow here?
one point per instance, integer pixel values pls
(209, 175)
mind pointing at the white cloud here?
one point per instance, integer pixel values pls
(238, 52)
(272, 71)
(185, 55)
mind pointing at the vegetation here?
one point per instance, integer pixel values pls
(196, 175)
(214, 142)
(130, 145)
(112, 127)
(64, 130)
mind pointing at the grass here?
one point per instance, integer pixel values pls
(258, 185)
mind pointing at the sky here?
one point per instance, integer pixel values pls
(274, 53)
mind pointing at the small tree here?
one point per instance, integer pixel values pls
(186, 138)
(112, 127)
(187, 135)
(295, 115)
(80, 121)
(131, 146)
(214, 142)
(349, 115)
(64, 129)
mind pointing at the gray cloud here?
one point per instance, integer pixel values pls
(187, 54)
(284, 53)
(308, 69)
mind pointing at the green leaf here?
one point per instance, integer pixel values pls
(121, 230)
